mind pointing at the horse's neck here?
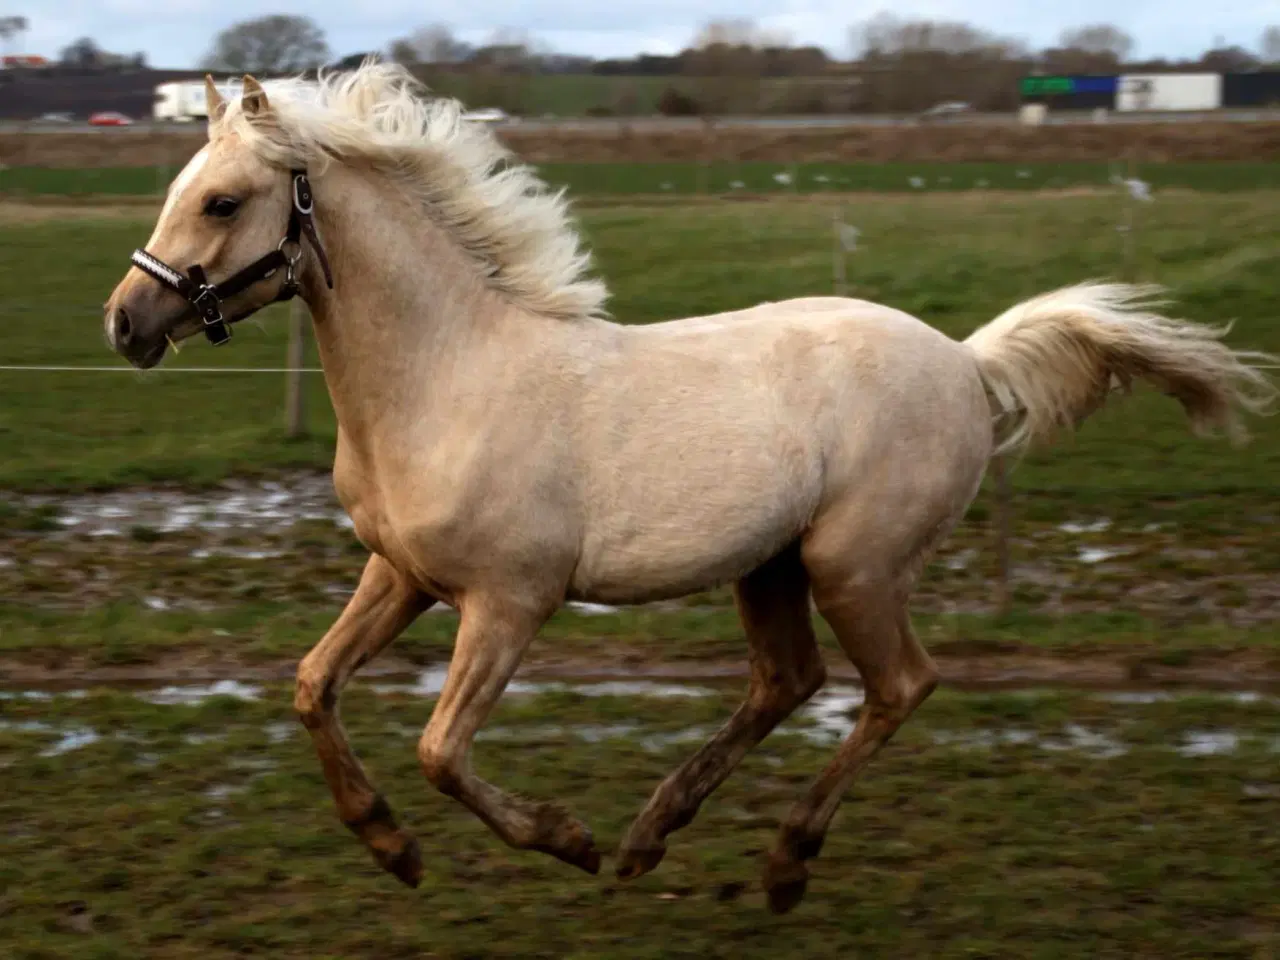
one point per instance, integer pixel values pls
(404, 303)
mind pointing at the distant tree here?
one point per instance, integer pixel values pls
(86, 53)
(83, 52)
(738, 32)
(274, 44)
(430, 44)
(13, 27)
(1228, 59)
(886, 35)
(1098, 39)
(906, 65)
(1270, 45)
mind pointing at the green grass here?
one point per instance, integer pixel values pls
(207, 831)
(954, 261)
(246, 632)
(622, 179)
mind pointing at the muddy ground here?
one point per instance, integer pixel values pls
(1151, 143)
(286, 545)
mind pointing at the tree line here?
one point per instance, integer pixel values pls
(895, 64)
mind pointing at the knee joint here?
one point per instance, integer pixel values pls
(313, 699)
(440, 767)
(910, 691)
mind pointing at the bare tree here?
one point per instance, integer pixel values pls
(83, 52)
(1099, 38)
(888, 35)
(739, 32)
(1228, 59)
(274, 44)
(1270, 45)
(913, 64)
(13, 27)
(430, 44)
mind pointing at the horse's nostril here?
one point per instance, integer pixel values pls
(124, 329)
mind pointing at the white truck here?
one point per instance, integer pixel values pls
(183, 101)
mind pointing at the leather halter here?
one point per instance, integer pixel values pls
(206, 298)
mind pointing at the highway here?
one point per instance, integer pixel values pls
(659, 123)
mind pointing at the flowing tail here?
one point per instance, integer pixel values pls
(1051, 361)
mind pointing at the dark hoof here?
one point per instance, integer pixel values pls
(785, 882)
(575, 846)
(406, 865)
(587, 858)
(637, 861)
(590, 861)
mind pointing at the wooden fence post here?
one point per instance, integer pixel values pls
(295, 357)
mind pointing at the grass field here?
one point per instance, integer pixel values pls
(622, 179)
(1023, 825)
(955, 261)
(160, 525)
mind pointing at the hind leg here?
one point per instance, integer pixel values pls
(786, 669)
(872, 625)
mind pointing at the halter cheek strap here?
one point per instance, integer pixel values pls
(206, 298)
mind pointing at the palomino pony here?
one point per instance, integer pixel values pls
(503, 447)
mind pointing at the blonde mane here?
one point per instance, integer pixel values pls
(497, 210)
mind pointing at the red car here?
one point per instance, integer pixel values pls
(109, 118)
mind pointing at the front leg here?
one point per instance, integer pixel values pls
(384, 604)
(492, 637)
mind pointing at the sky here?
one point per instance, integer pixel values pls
(177, 33)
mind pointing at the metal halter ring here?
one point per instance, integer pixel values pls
(291, 260)
(297, 245)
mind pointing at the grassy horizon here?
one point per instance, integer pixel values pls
(679, 178)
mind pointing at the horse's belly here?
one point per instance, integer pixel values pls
(657, 548)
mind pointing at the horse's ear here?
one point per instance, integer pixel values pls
(215, 103)
(254, 101)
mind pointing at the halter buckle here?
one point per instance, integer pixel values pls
(207, 304)
(303, 201)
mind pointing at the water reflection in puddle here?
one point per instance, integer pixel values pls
(69, 738)
(195, 694)
(1208, 743)
(248, 506)
(431, 681)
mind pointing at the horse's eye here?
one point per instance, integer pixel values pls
(221, 207)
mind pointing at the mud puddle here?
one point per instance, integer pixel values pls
(826, 720)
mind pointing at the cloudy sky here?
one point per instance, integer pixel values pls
(176, 33)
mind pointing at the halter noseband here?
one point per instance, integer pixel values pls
(206, 298)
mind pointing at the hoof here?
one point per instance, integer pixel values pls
(637, 861)
(575, 846)
(590, 861)
(785, 882)
(405, 865)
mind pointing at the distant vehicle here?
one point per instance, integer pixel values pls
(183, 101)
(109, 118)
(23, 60)
(486, 115)
(948, 108)
(54, 118)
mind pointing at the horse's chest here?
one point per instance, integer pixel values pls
(363, 499)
